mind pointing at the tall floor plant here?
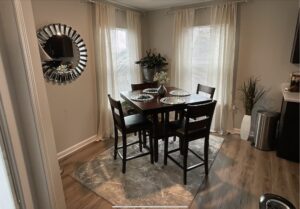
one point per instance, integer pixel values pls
(251, 93)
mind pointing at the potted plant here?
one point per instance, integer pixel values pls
(162, 78)
(151, 64)
(251, 94)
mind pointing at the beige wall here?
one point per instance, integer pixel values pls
(266, 37)
(73, 106)
(159, 28)
(266, 29)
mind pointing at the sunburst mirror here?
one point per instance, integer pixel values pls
(63, 53)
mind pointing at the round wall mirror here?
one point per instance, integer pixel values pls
(63, 53)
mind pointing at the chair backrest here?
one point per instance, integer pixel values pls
(141, 86)
(203, 114)
(206, 89)
(117, 112)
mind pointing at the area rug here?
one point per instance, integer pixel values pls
(145, 184)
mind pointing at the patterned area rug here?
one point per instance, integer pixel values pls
(145, 184)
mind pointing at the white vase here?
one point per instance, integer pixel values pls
(245, 127)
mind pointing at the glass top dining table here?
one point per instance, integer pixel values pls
(154, 107)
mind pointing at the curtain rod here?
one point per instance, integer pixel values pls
(172, 9)
(119, 6)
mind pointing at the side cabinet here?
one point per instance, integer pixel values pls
(288, 141)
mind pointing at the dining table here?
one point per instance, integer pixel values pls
(155, 107)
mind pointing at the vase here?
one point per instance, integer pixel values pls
(245, 127)
(161, 90)
(148, 74)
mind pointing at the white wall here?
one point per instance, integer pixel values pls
(266, 29)
(73, 106)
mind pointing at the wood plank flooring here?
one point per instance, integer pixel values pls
(239, 175)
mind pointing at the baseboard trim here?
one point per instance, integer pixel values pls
(76, 147)
(235, 131)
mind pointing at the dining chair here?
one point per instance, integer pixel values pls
(126, 125)
(141, 86)
(206, 89)
(193, 130)
(200, 89)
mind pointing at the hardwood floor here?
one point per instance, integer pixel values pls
(239, 175)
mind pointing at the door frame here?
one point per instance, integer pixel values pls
(49, 170)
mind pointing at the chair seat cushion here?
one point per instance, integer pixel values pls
(136, 122)
(192, 134)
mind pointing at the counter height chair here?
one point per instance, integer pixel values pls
(193, 130)
(206, 89)
(126, 125)
(210, 91)
(142, 86)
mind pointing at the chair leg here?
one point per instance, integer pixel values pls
(140, 141)
(176, 117)
(180, 146)
(185, 155)
(155, 149)
(151, 147)
(116, 143)
(124, 153)
(206, 146)
(144, 138)
(166, 151)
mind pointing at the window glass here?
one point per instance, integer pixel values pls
(122, 56)
(200, 55)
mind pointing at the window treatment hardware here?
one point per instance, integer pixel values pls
(119, 6)
(202, 5)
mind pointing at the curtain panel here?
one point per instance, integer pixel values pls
(219, 73)
(105, 22)
(222, 44)
(181, 72)
(134, 41)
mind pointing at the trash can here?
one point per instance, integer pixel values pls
(266, 130)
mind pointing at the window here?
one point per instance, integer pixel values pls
(122, 58)
(200, 54)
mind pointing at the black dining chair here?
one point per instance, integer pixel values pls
(126, 125)
(142, 86)
(206, 89)
(210, 91)
(192, 130)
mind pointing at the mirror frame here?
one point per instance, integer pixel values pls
(50, 73)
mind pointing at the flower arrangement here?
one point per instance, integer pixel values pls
(251, 94)
(161, 77)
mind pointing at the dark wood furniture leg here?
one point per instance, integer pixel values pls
(155, 137)
(185, 155)
(206, 146)
(140, 141)
(124, 152)
(166, 150)
(151, 146)
(116, 143)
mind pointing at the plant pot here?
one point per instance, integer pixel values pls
(161, 90)
(245, 127)
(148, 74)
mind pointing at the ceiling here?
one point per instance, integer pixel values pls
(155, 4)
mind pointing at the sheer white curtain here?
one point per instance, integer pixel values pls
(134, 32)
(110, 61)
(220, 73)
(181, 73)
(104, 35)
